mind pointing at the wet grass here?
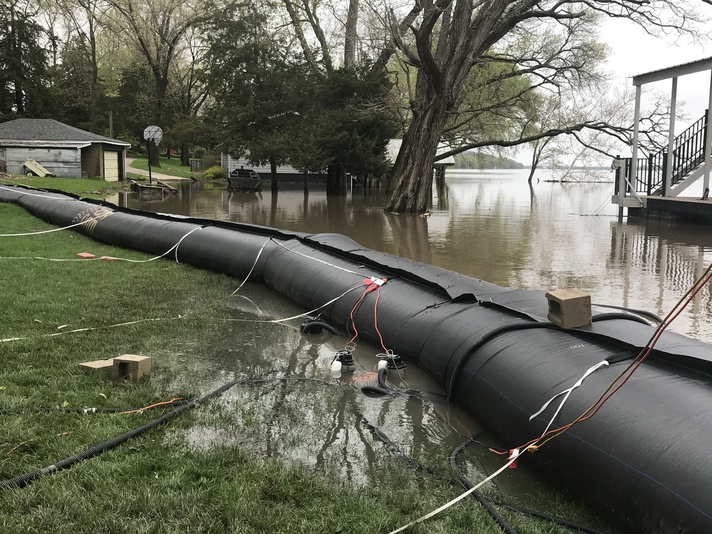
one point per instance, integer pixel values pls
(168, 166)
(158, 482)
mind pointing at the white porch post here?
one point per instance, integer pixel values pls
(636, 133)
(671, 137)
(706, 184)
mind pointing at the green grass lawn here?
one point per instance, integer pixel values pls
(157, 482)
(168, 166)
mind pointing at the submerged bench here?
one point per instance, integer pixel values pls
(244, 180)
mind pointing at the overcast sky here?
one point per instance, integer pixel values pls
(633, 52)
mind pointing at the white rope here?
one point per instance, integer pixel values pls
(53, 229)
(174, 247)
(305, 314)
(252, 269)
(45, 259)
(51, 196)
(457, 499)
(88, 329)
(320, 261)
(566, 393)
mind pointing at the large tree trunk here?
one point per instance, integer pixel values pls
(273, 174)
(336, 180)
(412, 182)
(185, 154)
(351, 35)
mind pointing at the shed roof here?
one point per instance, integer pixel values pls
(49, 132)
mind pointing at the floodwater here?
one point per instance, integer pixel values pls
(490, 225)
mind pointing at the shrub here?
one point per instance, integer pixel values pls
(216, 172)
(199, 152)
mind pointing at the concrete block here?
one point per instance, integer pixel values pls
(569, 308)
(104, 366)
(131, 366)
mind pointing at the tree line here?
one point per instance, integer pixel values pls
(323, 84)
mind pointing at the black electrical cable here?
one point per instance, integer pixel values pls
(391, 446)
(27, 478)
(488, 503)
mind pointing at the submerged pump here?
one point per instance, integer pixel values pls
(343, 362)
(393, 361)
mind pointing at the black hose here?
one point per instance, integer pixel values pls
(478, 495)
(377, 390)
(513, 327)
(382, 379)
(391, 446)
(316, 326)
(23, 480)
(644, 313)
(488, 503)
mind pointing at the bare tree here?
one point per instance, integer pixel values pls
(158, 28)
(447, 38)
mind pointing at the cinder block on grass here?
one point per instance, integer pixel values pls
(103, 366)
(131, 367)
(569, 308)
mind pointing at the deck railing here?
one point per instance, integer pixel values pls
(688, 153)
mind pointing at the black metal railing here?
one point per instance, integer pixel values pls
(688, 153)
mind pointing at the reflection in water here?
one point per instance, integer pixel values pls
(290, 408)
(496, 226)
(490, 225)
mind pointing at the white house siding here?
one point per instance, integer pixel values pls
(284, 172)
(62, 162)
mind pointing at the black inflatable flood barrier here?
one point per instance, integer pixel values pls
(642, 460)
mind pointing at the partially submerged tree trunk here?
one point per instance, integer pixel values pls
(273, 174)
(336, 180)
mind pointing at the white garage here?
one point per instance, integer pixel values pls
(65, 151)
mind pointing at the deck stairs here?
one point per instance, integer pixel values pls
(687, 159)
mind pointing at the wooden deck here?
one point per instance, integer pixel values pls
(677, 208)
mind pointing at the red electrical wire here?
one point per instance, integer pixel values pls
(353, 311)
(642, 356)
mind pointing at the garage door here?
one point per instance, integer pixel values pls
(111, 166)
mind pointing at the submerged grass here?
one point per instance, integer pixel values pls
(157, 482)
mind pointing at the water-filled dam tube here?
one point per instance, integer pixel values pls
(642, 460)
